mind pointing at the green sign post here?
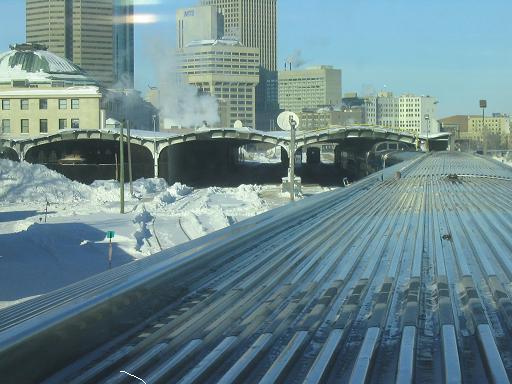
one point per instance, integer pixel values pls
(110, 235)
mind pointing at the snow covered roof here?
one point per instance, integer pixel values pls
(75, 91)
(33, 63)
(198, 43)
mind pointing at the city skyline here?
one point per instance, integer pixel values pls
(436, 49)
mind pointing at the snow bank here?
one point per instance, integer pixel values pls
(24, 182)
(108, 190)
(171, 194)
(507, 159)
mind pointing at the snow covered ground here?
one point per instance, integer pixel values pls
(40, 253)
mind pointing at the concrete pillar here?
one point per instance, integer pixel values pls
(170, 176)
(284, 156)
(102, 119)
(155, 163)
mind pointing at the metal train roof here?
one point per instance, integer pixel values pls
(389, 280)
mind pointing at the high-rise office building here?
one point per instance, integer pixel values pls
(254, 24)
(83, 31)
(198, 23)
(123, 44)
(226, 70)
(309, 88)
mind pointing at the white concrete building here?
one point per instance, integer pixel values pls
(198, 23)
(227, 70)
(411, 113)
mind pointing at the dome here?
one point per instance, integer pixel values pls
(34, 64)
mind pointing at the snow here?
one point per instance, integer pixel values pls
(272, 155)
(38, 255)
(505, 158)
(58, 67)
(70, 91)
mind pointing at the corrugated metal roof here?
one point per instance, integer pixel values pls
(405, 280)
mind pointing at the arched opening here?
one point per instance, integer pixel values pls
(329, 162)
(9, 154)
(92, 159)
(223, 163)
(315, 165)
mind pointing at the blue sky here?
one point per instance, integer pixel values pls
(456, 50)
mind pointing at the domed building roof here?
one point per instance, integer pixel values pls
(34, 64)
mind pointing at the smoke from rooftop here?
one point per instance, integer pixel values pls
(295, 59)
(180, 101)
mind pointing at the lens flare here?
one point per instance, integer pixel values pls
(138, 18)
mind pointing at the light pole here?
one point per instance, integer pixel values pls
(121, 168)
(427, 119)
(155, 155)
(483, 105)
(291, 173)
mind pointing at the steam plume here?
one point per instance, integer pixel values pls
(179, 100)
(296, 59)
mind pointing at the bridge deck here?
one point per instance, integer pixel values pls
(403, 280)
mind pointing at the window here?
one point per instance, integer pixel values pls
(75, 123)
(24, 126)
(6, 126)
(24, 104)
(43, 126)
(63, 104)
(6, 104)
(43, 103)
(75, 103)
(63, 123)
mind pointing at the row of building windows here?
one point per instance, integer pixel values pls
(207, 71)
(43, 104)
(43, 125)
(249, 91)
(225, 53)
(214, 65)
(220, 59)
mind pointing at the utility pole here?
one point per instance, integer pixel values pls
(130, 176)
(291, 173)
(427, 119)
(117, 166)
(121, 168)
(483, 105)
